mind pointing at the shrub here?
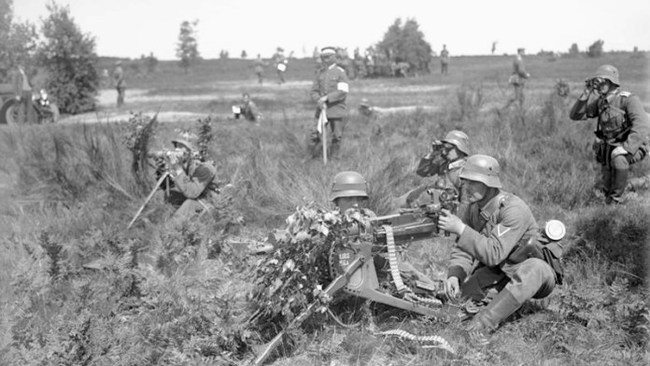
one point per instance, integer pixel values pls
(69, 57)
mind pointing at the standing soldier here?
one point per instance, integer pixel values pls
(496, 249)
(280, 62)
(329, 91)
(444, 60)
(259, 69)
(23, 94)
(622, 129)
(518, 79)
(119, 82)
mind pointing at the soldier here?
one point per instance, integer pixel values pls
(119, 82)
(444, 60)
(249, 110)
(496, 247)
(350, 192)
(518, 79)
(330, 90)
(280, 64)
(259, 69)
(445, 161)
(622, 129)
(193, 182)
(23, 94)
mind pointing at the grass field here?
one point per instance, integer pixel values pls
(80, 289)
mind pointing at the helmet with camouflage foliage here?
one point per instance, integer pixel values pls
(349, 184)
(608, 72)
(185, 143)
(458, 139)
(482, 168)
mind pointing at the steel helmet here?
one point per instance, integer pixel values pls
(185, 143)
(458, 139)
(349, 184)
(608, 72)
(482, 168)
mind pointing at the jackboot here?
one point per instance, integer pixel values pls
(500, 308)
(619, 182)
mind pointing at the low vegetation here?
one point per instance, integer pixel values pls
(81, 289)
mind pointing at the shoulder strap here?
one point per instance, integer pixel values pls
(489, 211)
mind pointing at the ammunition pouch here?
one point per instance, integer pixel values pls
(553, 256)
(600, 150)
(550, 252)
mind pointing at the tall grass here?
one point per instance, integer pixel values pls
(80, 289)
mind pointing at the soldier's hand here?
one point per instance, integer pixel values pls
(450, 222)
(452, 287)
(322, 100)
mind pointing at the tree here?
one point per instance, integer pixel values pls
(406, 43)
(244, 54)
(19, 40)
(596, 49)
(574, 51)
(69, 57)
(187, 48)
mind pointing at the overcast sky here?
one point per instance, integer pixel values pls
(130, 28)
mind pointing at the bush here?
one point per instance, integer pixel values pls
(69, 57)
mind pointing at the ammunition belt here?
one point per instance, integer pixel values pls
(442, 343)
(412, 297)
(392, 260)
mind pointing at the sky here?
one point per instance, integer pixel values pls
(130, 28)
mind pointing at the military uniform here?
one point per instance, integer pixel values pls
(332, 82)
(23, 90)
(259, 70)
(518, 80)
(444, 62)
(250, 111)
(622, 121)
(193, 188)
(490, 241)
(280, 66)
(120, 84)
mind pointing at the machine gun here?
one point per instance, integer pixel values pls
(353, 258)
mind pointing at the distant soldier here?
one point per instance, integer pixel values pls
(23, 94)
(518, 79)
(330, 90)
(259, 69)
(622, 129)
(444, 60)
(193, 182)
(497, 249)
(281, 63)
(119, 82)
(248, 109)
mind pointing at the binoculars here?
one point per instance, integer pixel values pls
(595, 83)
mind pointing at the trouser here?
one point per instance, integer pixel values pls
(532, 278)
(336, 126)
(281, 76)
(120, 95)
(443, 68)
(615, 172)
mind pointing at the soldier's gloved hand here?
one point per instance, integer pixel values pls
(619, 150)
(452, 287)
(450, 222)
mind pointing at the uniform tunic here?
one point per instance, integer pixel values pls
(486, 245)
